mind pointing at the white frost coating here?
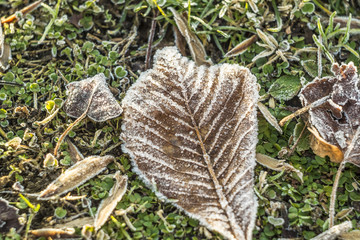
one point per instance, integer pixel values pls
(215, 99)
(149, 143)
(218, 104)
(229, 187)
(340, 138)
(205, 89)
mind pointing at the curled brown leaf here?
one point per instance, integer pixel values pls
(336, 120)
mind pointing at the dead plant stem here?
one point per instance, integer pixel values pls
(65, 133)
(150, 41)
(333, 194)
(304, 109)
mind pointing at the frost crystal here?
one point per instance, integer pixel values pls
(192, 132)
(103, 105)
(337, 119)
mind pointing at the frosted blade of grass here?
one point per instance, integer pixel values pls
(321, 31)
(278, 18)
(323, 48)
(196, 48)
(108, 205)
(54, 16)
(202, 22)
(330, 26)
(345, 39)
(353, 31)
(303, 110)
(347, 47)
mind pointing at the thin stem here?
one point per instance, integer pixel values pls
(24, 11)
(338, 174)
(68, 130)
(150, 41)
(317, 3)
(333, 194)
(65, 133)
(303, 110)
(298, 140)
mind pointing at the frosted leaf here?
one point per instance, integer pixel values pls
(103, 104)
(197, 50)
(108, 205)
(66, 232)
(8, 216)
(337, 119)
(5, 51)
(241, 47)
(76, 175)
(191, 132)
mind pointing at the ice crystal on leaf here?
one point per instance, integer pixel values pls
(191, 132)
(336, 121)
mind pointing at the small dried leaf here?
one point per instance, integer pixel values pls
(277, 165)
(180, 41)
(54, 232)
(74, 152)
(191, 133)
(76, 175)
(108, 205)
(241, 47)
(322, 148)
(343, 213)
(103, 105)
(9, 217)
(5, 51)
(269, 117)
(337, 119)
(196, 48)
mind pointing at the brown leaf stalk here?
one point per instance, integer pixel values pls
(71, 126)
(24, 11)
(337, 178)
(150, 41)
(303, 110)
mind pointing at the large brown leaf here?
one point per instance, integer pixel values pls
(336, 120)
(191, 133)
